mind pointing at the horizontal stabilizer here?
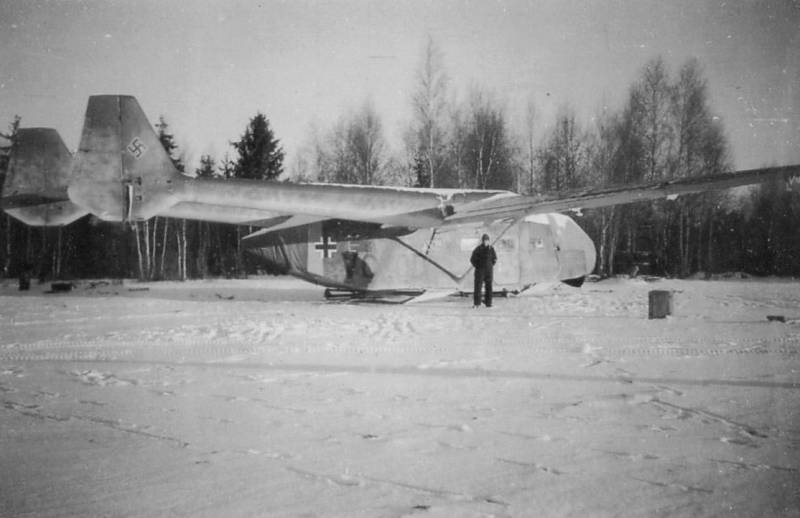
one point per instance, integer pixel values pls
(35, 186)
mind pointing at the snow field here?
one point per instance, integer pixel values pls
(257, 398)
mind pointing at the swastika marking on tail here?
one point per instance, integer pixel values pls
(137, 148)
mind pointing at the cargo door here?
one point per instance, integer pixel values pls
(539, 261)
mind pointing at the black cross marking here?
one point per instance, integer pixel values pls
(325, 245)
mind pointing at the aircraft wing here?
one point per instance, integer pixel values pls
(500, 207)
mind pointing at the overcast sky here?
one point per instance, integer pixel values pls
(209, 66)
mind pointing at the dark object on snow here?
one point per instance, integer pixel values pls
(575, 283)
(25, 274)
(776, 318)
(660, 304)
(57, 287)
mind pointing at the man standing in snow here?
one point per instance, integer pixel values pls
(483, 260)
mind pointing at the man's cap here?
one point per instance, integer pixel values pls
(485, 237)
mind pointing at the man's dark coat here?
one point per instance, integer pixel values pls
(483, 260)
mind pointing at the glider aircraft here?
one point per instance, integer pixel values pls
(353, 239)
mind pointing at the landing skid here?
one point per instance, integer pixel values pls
(373, 297)
(504, 293)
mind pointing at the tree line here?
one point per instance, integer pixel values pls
(664, 130)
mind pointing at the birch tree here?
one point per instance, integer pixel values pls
(429, 104)
(530, 126)
(354, 150)
(484, 145)
(367, 144)
(562, 157)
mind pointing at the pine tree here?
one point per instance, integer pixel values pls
(227, 167)
(260, 153)
(260, 158)
(207, 167)
(168, 142)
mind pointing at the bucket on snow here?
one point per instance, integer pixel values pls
(660, 304)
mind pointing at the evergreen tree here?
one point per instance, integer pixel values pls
(420, 171)
(260, 153)
(168, 142)
(207, 167)
(227, 167)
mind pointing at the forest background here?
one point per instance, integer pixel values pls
(665, 130)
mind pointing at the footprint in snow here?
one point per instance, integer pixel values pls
(93, 377)
(17, 372)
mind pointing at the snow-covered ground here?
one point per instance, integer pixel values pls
(258, 398)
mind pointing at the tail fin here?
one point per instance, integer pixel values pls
(35, 186)
(121, 171)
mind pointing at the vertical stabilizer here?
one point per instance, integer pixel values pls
(121, 171)
(35, 186)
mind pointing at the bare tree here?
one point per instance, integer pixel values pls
(562, 157)
(700, 149)
(367, 144)
(603, 148)
(334, 157)
(530, 126)
(354, 150)
(457, 145)
(665, 130)
(646, 133)
(429, 102)
(485, 147)
(651, 107)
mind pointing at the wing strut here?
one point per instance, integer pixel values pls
(428, 259)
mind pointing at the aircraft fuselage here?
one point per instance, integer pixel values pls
(348, 255)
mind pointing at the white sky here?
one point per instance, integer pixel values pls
(208, 66)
